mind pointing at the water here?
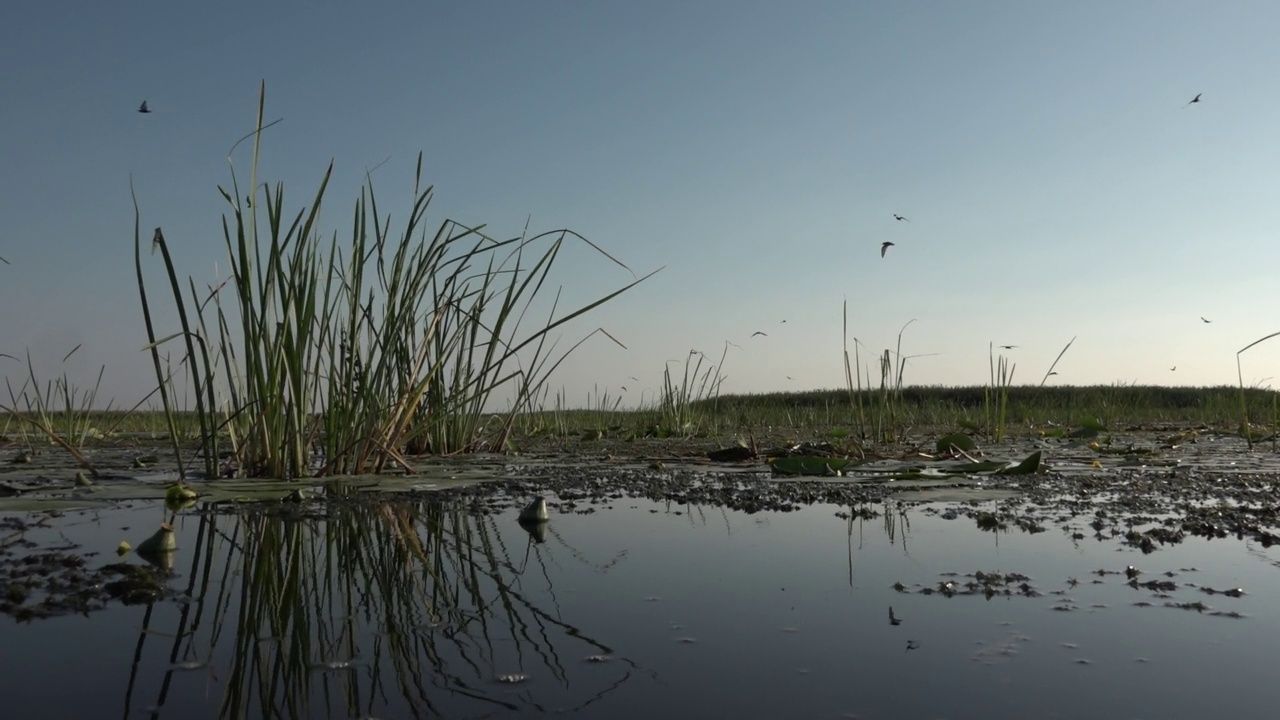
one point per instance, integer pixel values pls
(634, 609)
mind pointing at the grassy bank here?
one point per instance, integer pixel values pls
(1027, 405)
(928, 408)
(921, 410)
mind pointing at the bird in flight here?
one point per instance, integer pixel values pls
(884, 247)
(912, 645)
(899, 218)
(1172, 369)
(143, 108)
(759, 333)
(1195, 99)
(893, 619)
(1008, 347)
(1203, 318)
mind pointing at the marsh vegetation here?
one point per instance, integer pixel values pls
(328, 353)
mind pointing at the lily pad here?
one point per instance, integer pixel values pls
(956, 440)
(804, 465)
(984, 466)
(1089, 428)
(179, 493)
(1028, 466)
(29, 504)
(736, 453)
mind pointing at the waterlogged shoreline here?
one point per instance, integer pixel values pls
(669, 592)
(1137, 492)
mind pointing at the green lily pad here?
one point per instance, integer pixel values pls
(984, 466)
(1252, 434)
(807, 465)
(956, 440)
(906, 475)
(179, 493)
(1089, 428)
(21, 504)
(1026, 467)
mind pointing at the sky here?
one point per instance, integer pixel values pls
(1055, 180)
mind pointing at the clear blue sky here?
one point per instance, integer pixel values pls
(1055, 183)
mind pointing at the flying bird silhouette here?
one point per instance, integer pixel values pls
(1008, 347)
(1203, 318)
(759, 333)
(899, 218)
(143, 107)
(1195, 99)
(893, 619)
(912, 645)
(884, 247)
(1172, 369)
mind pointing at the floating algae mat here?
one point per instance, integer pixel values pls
(675, 593)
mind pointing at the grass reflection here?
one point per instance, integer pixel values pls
(357, 607)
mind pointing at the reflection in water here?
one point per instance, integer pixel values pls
(334, 614)
(628, 608)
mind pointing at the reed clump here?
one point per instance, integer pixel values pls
(687, 406)
(347, 357)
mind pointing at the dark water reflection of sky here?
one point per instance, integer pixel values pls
(706, 613)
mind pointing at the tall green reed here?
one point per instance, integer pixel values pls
(681, 403)
(887, 412)
(996, 395)
(365, 352)
(1245, 425)
(878, 418)
(1050, 372)
(62, 412)
(853, 373)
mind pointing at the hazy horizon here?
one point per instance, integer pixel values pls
(1055, 180)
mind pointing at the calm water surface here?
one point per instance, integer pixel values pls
(409, 609)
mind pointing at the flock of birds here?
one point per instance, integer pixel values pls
(884, 246)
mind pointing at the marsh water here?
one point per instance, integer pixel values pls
(441, 604)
